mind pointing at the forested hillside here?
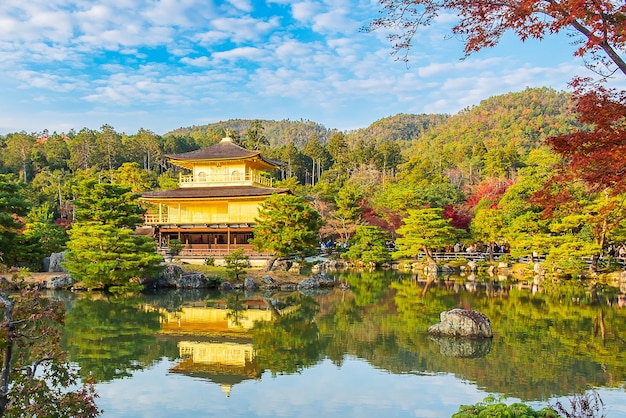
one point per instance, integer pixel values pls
(490, 139)
(401, 127)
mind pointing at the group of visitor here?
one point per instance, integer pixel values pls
(618, 251)
(478, 248)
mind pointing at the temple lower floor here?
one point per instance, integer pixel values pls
(205, 241)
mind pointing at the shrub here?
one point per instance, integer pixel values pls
(492, 407)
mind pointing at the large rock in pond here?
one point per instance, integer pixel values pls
(462, 323)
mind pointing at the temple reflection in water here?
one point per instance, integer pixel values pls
(215, 343)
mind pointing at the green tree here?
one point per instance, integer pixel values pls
(103, 250)
(18, 152)
(255, 136)
(40, 238)
(287, 226)
(37, 379)
(488, 226)
(388, 157)
(368, 245)
(12, 207)
(50, 187)
(144, 148)
(236, 263)
(108, 148)
(131, 175)
(339, 150)
(82, 150)
(491, 407)
(349, 203)
(320, 158)
(57, 152)
(423, 230)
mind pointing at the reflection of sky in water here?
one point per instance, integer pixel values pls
(355, 389)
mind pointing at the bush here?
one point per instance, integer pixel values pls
(586, 405)
(492, 407)
(236, 263)
(176, 246)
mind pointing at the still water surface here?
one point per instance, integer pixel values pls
(356, 353)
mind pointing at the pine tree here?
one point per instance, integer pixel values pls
(287, 226)
(12, 206)
(104, 252)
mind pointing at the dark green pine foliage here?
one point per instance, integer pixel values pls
(103, 251)
(12, 206)
(287, 226)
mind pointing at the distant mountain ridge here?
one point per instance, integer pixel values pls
(523, 117)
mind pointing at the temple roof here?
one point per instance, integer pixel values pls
(223, 150)
(212, 192)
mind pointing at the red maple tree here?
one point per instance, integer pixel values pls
(596, 155)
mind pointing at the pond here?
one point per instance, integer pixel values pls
(361, 352)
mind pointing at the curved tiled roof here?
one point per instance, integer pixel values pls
(223, 150)
(213, 192)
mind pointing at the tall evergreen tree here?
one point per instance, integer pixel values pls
(255, 136)
(12, 206)
(104, 252)
(425, 230)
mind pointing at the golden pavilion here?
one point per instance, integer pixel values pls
(213, 210)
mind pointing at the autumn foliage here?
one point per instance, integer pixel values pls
(597, 155)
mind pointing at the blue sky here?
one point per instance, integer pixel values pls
(163, 64)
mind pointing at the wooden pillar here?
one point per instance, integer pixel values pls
(228, 238)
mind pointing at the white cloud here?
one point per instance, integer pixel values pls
(243, 5)
(333, 21)
(196, 62)
(304, 11)
(246, 28)
(248, 53)
(292, 49)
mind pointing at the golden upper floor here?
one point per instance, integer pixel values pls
(223, 164)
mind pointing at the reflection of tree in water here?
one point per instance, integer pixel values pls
(235, 309)
(110, 339)
(291, 342)
(369, 287)
(173, 300)
(544, 345)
